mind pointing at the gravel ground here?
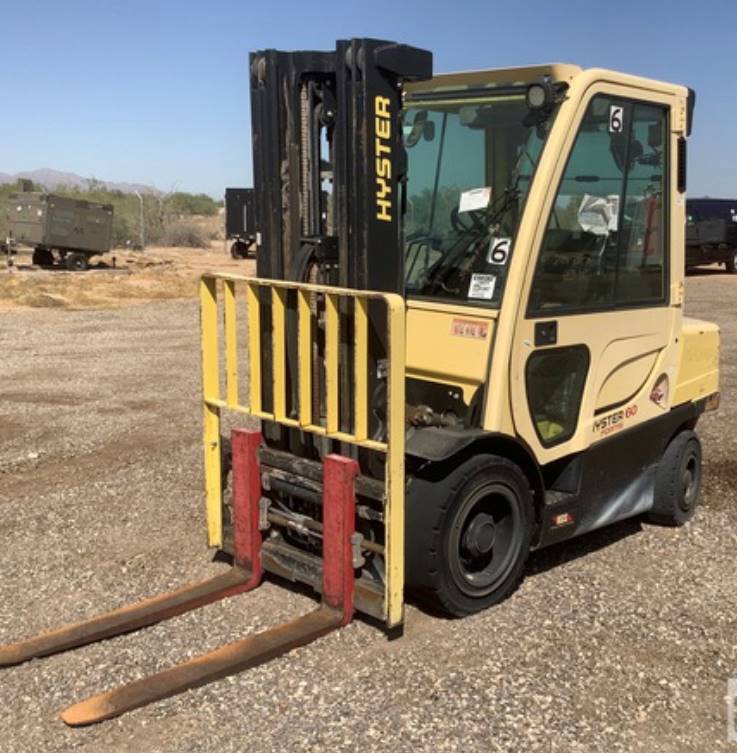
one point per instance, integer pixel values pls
(620, 641)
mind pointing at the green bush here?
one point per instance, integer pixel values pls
(184, 233)
(187, 203)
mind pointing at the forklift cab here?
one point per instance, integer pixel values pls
(558, 230)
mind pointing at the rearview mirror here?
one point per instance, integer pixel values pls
(420, 127)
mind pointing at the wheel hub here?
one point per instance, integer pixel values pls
(480, 535)
(689, 485)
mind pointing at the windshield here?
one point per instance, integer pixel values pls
(471, 161)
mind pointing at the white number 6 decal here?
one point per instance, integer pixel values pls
(616, 119)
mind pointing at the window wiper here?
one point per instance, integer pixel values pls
(449, 263)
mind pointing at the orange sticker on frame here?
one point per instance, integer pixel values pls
(469, 328)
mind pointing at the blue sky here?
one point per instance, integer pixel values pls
(157, 92)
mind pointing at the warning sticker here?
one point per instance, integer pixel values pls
(469, 328)
(482, 286)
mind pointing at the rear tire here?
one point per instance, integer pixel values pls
(468, 535)
(731, 262)
(76, 262)
(678, 481)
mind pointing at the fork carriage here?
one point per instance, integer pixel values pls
(336, 343)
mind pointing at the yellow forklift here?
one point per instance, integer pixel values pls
(465, 342)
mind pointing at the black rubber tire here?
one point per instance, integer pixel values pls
(435, 534)
(76, 262)
(239, 250)
(731, 262)
(42, 257)
(678, 481)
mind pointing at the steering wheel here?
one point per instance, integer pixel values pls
(456, 277)
(471, 222)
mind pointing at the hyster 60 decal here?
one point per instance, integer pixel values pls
(614, 421)
(383, 147)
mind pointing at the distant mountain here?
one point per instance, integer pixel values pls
(51, 179)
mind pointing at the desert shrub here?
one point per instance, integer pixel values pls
(188, 203)
(181, 232)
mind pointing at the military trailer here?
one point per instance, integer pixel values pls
(59, 228)
(240, 225)
(711, 232)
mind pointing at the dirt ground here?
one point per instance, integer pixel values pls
(622, 640)
(118, 278)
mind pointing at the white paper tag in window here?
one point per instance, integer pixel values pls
(616, 119)
(482, 286)
(475, 198)
(599, 215)
(499, 251)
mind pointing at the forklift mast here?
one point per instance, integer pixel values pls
(328, 161)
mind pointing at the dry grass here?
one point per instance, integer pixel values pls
(156, 274)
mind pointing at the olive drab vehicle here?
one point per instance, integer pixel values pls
(466, 341)
(59, 228)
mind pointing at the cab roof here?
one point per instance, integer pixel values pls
(522, 76)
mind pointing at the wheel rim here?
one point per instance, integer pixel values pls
(485, 539)
(690, 483)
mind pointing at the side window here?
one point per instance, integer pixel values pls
(555, 380)
(605, 241)
(642, 265)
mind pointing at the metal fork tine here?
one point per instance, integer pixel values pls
(228, 660)
(129, 618)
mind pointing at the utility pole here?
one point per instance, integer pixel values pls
(143, 235)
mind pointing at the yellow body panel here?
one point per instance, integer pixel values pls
(452, 348)
(626, 379)
(698, 371)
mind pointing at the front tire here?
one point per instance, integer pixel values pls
(731, 262)
(468, 535)
(42, 257)
(239, 250)
(678, 481)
